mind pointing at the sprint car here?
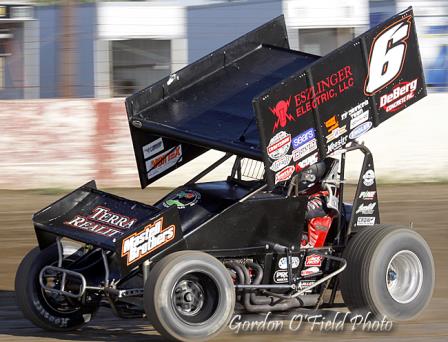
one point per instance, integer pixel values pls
(276, 235)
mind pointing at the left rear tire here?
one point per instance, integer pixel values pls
(189, 296)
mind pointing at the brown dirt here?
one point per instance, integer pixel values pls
(423, 204)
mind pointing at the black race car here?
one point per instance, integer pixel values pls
(273, 236)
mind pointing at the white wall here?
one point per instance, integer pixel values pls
(102, 68)
(73, 141)
(413, 145)
(326, 13)
(127, 20)
(161, 20)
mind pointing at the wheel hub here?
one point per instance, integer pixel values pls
(55, 301)
(188, 297)
(404, 276)
(391, 275)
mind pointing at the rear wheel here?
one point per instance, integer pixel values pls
(390, 272)
(189, 296)
(44, 309)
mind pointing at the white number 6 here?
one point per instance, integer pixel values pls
(387, 56)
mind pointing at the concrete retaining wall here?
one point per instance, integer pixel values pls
(65, 143)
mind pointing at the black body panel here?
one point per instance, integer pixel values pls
(224, 99)
(104, 220)
(214, 197)
(264, 218)
(60, 217)
(304, 106)
(365, 210)
(156, 156)
(208, 103)
(340, 97)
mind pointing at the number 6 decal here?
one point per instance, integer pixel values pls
(387, 55)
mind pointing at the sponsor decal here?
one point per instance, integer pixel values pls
(387, 55)
(59, 321)
(152, 237)
(284, 174)
(183, 199)
(368, 177)
(354, 112)
(361, 118)
(334, 129)
(368, 209)
(360, 130)
(310, 271)
(366, 221)
(324, 90)
(367, 195)
(305, 149)
(83, 223)
(102, 221)
(280, 277)
(307, 162)
(313, 260)
(336, 145)
(164, 161)
(281, 163)
(400, 94)
(303, 138)
(282, 263)
(153, 148)
(332, 124)
(105, 215)
(279, 145)
(281, 113)
(304, 284)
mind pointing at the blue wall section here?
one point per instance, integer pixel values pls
(49, 46)
(381, 10)
(84, 38)
(211, 26)
(85, 17)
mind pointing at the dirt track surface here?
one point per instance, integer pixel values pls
(424, 205)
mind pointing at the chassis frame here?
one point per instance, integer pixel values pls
(270, 253)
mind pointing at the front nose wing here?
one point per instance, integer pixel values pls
(133, 230)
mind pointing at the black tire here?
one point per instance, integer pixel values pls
(379, 258)
(187, 273)
(35, 302)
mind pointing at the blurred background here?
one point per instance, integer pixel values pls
(66, 66)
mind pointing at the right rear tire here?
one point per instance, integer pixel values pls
(390, 272)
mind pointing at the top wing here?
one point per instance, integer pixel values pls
(338, 98)
(208, 104)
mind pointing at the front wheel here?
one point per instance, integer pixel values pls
(44, 309)
(390, 272)
(189, 296)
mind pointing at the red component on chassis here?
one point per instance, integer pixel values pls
(318, 228)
